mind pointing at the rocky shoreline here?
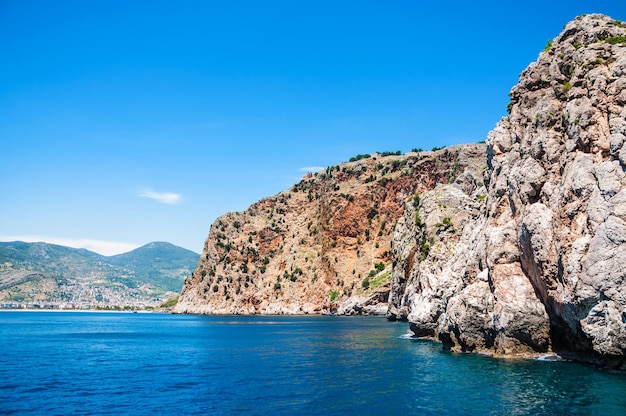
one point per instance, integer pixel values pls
(514, 248)
(538, 268)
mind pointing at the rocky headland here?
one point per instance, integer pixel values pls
(323, 246)
(516, 247)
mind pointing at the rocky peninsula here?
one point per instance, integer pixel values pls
(512, 247)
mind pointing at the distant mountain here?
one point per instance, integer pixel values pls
(50, 274)
(161, 263)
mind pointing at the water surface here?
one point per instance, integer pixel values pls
(117, 363)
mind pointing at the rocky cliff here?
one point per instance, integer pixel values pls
(514, 248)
(324, 245)
(540, 266)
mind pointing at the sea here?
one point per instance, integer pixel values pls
(91, 363)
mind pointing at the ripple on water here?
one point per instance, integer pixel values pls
(146, 364)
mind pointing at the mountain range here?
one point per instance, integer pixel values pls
(42, 274)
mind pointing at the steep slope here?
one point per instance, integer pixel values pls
(541, 267)
(323, 245)
(56, 275)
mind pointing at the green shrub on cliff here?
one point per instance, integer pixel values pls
(170, 303)
(446, 225)
(548, 46)
(418, 220)
(614, 40)
(416, 201)
(380, 280)
(385, 154)
(366, 283)
(359, 157)
(425, 246)
(567, 86)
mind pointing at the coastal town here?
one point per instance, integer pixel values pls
(86, 297)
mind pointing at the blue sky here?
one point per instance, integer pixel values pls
(126, 122)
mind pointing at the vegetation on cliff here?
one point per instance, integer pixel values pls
(513, 248)
(313, 247)
(539, 267)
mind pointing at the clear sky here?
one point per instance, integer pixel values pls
(126, 122)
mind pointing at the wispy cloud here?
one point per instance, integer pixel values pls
(312, 169)
(106, 248)
(162, 197)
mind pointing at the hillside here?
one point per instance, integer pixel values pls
(163, 264)
(325, 244)
(41, 273)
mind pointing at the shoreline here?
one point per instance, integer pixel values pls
(78, 310)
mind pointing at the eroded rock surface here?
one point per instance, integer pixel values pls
(516, 248)
(324, 246)
(542, 265)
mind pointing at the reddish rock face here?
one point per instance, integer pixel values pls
(310, 249)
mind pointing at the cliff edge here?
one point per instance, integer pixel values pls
(515, 248)
(323, 246)
(541, 267)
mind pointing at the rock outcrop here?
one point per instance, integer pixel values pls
(515, 248)
(541, 265)
(324, 246)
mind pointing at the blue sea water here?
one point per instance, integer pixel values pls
(143, 364)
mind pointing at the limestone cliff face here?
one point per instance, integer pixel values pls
(541, 266)
(325, 244)
(516, 248)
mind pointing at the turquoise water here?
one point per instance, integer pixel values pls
(115, 363)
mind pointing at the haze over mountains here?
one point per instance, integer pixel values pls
(50, 275)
